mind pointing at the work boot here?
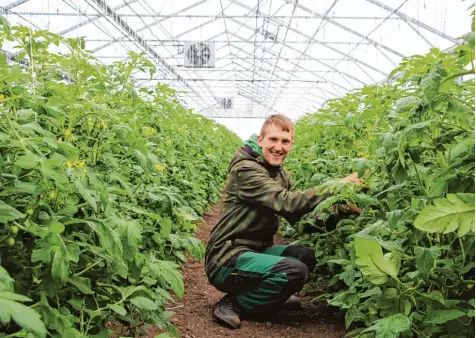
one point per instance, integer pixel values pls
(228, 311)
(293, 303)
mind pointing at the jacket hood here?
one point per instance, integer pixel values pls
(252, 142)
(251, 151)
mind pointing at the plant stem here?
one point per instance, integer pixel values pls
(419, 178)
(462, 250)
(468, 72)
(88, 268)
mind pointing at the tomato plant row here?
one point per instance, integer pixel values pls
(100, 186)
(405, 265)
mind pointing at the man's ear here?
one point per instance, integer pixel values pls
(260, 140)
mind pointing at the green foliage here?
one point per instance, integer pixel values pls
(455, 212)
(405, 265)
(101, 184)
(371, 261)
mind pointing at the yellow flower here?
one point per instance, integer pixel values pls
(52, 194)
(2, 97)
(60, 140)
(79, 164)
(67, 132)
(104, 124)
(69, 164)
(160, 167)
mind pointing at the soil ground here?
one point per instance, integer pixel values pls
(194, 317)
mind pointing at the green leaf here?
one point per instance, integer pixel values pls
(110, 241)
(14, 296)
(362, 166)
(348, 276)
(376, 291)
(425, 259)
(352, 315)
(8, 213)
(442, 316)
(5, 26)
(168, 271)
(455, 212)
(470, 39)
(86, 195)
(371, 261)
(6, 282)
(97, 182)
(438, 296)
(130, 232)
(60, 263)
(407, 103)
(465, 146)
(393, 217)
(165, 226)
(53, 251)
(83, 284)
(390, 327)
(144, 303)
(431, 82)
(25, 187)
(117, 309)
(56, 227)
(194, 247)
(28, 161)
(23, 316)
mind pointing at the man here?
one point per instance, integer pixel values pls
(240, 258)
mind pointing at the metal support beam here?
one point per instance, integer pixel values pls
(203, 16)
(419, 33)
(129, 31)
(93, 18)
(310, 38)
(323, 98)
(324, 44)
(303, 52)
(311, 58)
(415, 21)
(14, 4)
(347, 29)
(150, 25)
(322, 90)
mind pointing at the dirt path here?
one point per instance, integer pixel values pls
(193, 316)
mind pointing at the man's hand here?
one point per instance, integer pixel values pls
(353, 178)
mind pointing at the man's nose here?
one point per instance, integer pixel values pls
(278, 146)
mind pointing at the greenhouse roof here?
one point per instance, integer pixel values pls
(252, 58)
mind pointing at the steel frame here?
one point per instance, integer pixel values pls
(261, 79)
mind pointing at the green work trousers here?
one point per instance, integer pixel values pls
(263, 280)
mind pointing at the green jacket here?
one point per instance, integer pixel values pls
(256, 195)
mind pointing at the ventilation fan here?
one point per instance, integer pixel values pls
(225, 103)
(199, 54)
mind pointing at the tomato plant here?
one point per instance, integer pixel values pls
(101, 184)
(405, 265)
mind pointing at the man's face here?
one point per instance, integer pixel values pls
(276, 144)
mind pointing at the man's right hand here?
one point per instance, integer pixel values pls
(353, 178)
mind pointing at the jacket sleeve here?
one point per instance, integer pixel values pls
(255, 186)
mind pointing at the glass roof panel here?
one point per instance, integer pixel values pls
(269, 55)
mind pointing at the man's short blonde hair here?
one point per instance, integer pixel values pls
(278, 120)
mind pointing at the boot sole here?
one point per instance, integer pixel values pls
(228, 323)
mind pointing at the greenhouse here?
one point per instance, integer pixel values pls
(237, 168)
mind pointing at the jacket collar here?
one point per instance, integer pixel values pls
(272, 170)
